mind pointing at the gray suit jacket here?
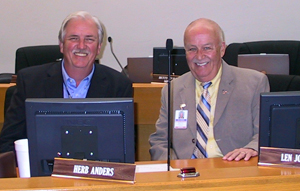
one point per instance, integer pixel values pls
(236, 114)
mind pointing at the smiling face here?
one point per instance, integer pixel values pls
(204, 49)
(80, 45)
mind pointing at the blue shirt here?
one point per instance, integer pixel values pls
(69, 85)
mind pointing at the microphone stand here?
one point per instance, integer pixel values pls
(111, 49)
(169, 47)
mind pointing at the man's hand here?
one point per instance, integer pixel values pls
(239, 154)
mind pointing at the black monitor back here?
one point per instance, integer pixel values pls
(99, 129)
(179, 64)
(279, 124)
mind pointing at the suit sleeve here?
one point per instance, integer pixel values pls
(159, 140)
(263, 86)
(127, 90)
(14, 126)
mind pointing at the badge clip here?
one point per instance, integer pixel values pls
(182, 106)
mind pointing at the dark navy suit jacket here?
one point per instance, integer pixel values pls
(46, 81)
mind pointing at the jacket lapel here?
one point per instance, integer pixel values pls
(54, 77)
(99, 84)
(187, 96)
(225, 90)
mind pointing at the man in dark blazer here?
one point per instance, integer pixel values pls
(76, 76)
(235, 94)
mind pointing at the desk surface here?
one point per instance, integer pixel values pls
(215, 174)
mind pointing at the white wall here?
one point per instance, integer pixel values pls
(137, 26)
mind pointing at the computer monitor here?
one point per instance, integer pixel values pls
(179, 64)
(99, 129)
(270, 63)
(279, 124)
(140, 69)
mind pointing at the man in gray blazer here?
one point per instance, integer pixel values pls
(234, 96)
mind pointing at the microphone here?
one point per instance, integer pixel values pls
(169, 47)
(111, 49)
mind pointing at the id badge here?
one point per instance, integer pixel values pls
(181, 119)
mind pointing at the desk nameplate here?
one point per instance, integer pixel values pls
(279, 157)
(163, 78)
(108, 171)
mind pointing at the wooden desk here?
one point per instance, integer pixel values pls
(147, 102)
(215, 174)
(146, 105)
(3, 88)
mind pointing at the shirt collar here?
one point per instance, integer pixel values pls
(66, 77)
(215, 80)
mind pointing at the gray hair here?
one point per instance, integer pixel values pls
(84, 15)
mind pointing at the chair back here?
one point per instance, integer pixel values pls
(279, 83)
(30, 56)
(292, 48)
(8, 165)
(36, 55)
